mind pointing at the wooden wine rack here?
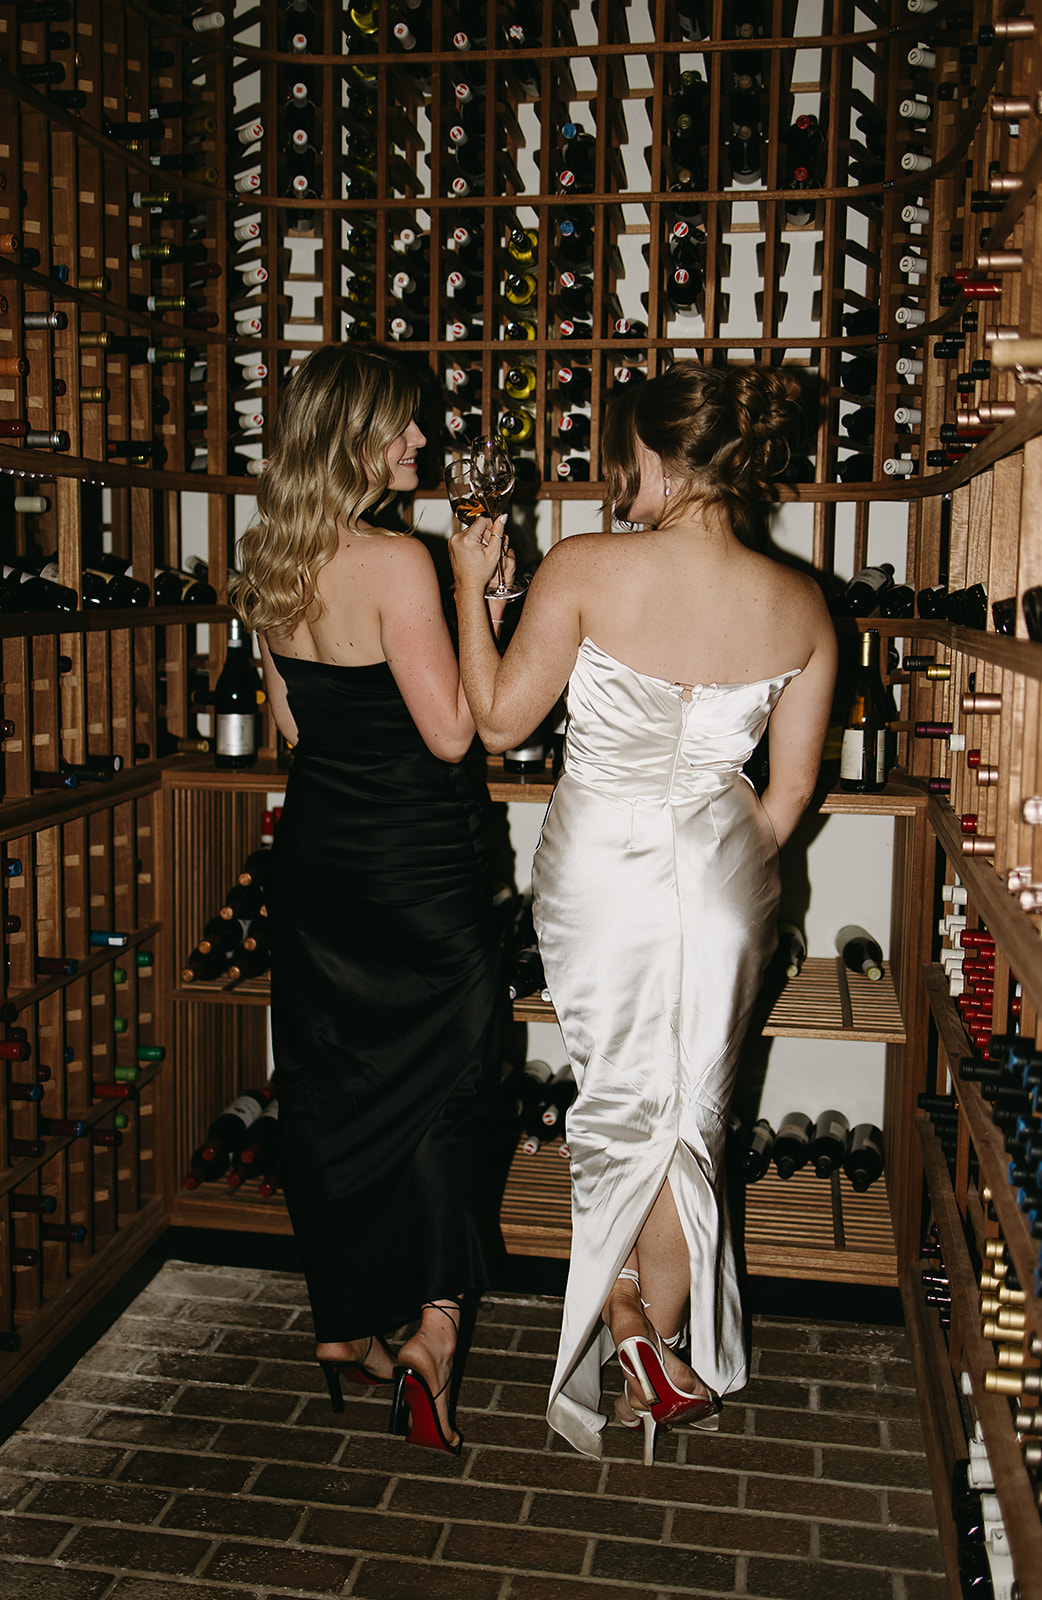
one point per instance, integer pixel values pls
(151, 852)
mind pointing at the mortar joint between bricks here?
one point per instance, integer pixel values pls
(526, 1506)
(741, 1574)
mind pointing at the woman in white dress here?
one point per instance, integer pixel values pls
(656, 879)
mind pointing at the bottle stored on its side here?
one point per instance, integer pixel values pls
(792, 1143)
(235, 702)
(862, 594)
(226, 1136)
(860, 951)
(862, 762)
(756, 1157)
(792, 948)
(828, 1145)
(863, 1161)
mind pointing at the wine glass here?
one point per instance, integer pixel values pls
(492, 476)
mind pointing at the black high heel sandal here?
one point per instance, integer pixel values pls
(414, 1412)
(354, 1372)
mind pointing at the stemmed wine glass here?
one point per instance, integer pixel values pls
(481, 486)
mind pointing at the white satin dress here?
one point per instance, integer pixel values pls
(656, 892)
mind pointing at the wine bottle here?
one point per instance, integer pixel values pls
(173, 587)
(792, 948)
(862, 593)
(756, 1157)
(205, 964)
(862, 762)
(235, 703)
(520, 382)
(256, 867)
(262, 1135)
(228, 1132)
(828, 1145)
(863, 1161)
(529, 757)
(860, 951)
(792, 1143)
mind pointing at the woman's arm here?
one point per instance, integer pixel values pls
(798, 726)
(510, 696)
(278, 698)
(418, 649)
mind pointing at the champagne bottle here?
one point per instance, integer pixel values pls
(862, 762)
(792, 1143)
(863, 1161)
(828, 1145)
(235, 703)
(860, 951)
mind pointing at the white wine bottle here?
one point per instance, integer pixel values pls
(862, 761)
(860, 951)
(235, 703)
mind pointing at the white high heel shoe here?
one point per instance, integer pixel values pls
(664, 1402)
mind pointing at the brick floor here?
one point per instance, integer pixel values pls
(191, 1454)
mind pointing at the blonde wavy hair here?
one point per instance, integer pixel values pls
(727, 432)
(328, 465)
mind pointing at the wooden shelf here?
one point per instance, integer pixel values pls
(801, 1228)
(825, 1001)
(214, 1205)
(1012, 1483)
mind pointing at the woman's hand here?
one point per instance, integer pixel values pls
(475, 553)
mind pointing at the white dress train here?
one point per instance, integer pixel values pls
(656, 892)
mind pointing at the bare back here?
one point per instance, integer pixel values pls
(379, 600)
(696, 608)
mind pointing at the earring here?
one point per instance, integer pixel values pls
(666, 486)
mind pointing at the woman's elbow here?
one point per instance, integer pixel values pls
(495, 742)
(449, 747)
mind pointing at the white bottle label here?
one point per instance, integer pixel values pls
(855, 760)
(236, 734)
(246, 1108)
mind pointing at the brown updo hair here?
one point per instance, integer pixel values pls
(725, 432)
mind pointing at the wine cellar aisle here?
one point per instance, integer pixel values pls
(192, 1452)
(537, 204)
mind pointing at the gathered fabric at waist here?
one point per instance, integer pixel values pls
(665, 783)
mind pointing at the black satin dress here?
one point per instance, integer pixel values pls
(385, 1008)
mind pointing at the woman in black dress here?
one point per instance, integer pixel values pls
(385, 999)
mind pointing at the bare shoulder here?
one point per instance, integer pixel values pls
(382, 553)
(571, 558)
(796, 589)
